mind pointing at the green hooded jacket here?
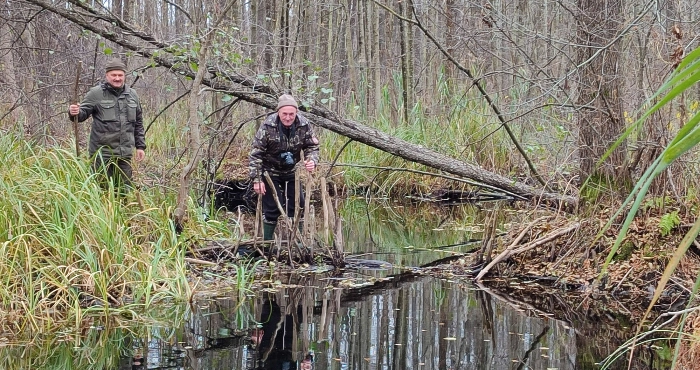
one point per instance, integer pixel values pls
(117, 121)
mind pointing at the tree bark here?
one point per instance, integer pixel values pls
(12, 99)
(600, 121)
(406, 61)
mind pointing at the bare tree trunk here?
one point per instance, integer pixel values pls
(270, 25)
(600, 120)
(11, 99)
(406, 61)
(285, 39)
(375, 64)
(194, 142)
(364, 45)
(451, 14)
(29, 83)
(351, 53)
(306, 26)
(165, 20)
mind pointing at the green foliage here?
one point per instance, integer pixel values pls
(71, 249)
(648, 339)
(655, 203)
(594, 189)
(686, 75)
(625, 251)
(469, 135)
(668, 221)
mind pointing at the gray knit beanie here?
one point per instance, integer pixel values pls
(115, 64)
(286, 100)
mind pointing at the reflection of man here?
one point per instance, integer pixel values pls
(275, 339)
(307, 363)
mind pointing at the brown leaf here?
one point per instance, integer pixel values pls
(677, 56)
(676, 31)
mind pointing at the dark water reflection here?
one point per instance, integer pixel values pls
(412, 322)
(393, 319)
(382, 318)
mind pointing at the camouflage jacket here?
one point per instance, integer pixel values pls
(270, 143)
(117, 122)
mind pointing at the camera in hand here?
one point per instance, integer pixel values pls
(287, 160)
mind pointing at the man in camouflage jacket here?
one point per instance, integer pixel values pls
(277, 149)
(117, 134)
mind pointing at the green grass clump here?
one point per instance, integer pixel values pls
(69, 248)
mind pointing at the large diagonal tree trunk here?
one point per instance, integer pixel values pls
(600, 118)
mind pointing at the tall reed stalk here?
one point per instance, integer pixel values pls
(69, 248)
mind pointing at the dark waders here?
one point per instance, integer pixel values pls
(285, 188)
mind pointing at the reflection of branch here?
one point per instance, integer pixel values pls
(487, 311)
(533, 347)
(517, 305)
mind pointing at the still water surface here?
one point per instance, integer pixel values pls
(380, 316)
(386, 317)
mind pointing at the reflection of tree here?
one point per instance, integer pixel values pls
(392, 324)
(592, 321)
(276, 339)
(535, 345)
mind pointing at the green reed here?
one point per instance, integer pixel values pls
(69, 248)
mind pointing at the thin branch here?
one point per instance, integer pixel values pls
(166, 108)
(476, 83)
(512, 250)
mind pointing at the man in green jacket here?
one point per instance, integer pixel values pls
(277, 149)
(117, 134)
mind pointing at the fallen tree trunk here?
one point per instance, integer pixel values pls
(426, 156)
(256, 93)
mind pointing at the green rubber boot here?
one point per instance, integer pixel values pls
(268, 231)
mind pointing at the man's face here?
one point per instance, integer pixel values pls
(115, 78)
(287, 115)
